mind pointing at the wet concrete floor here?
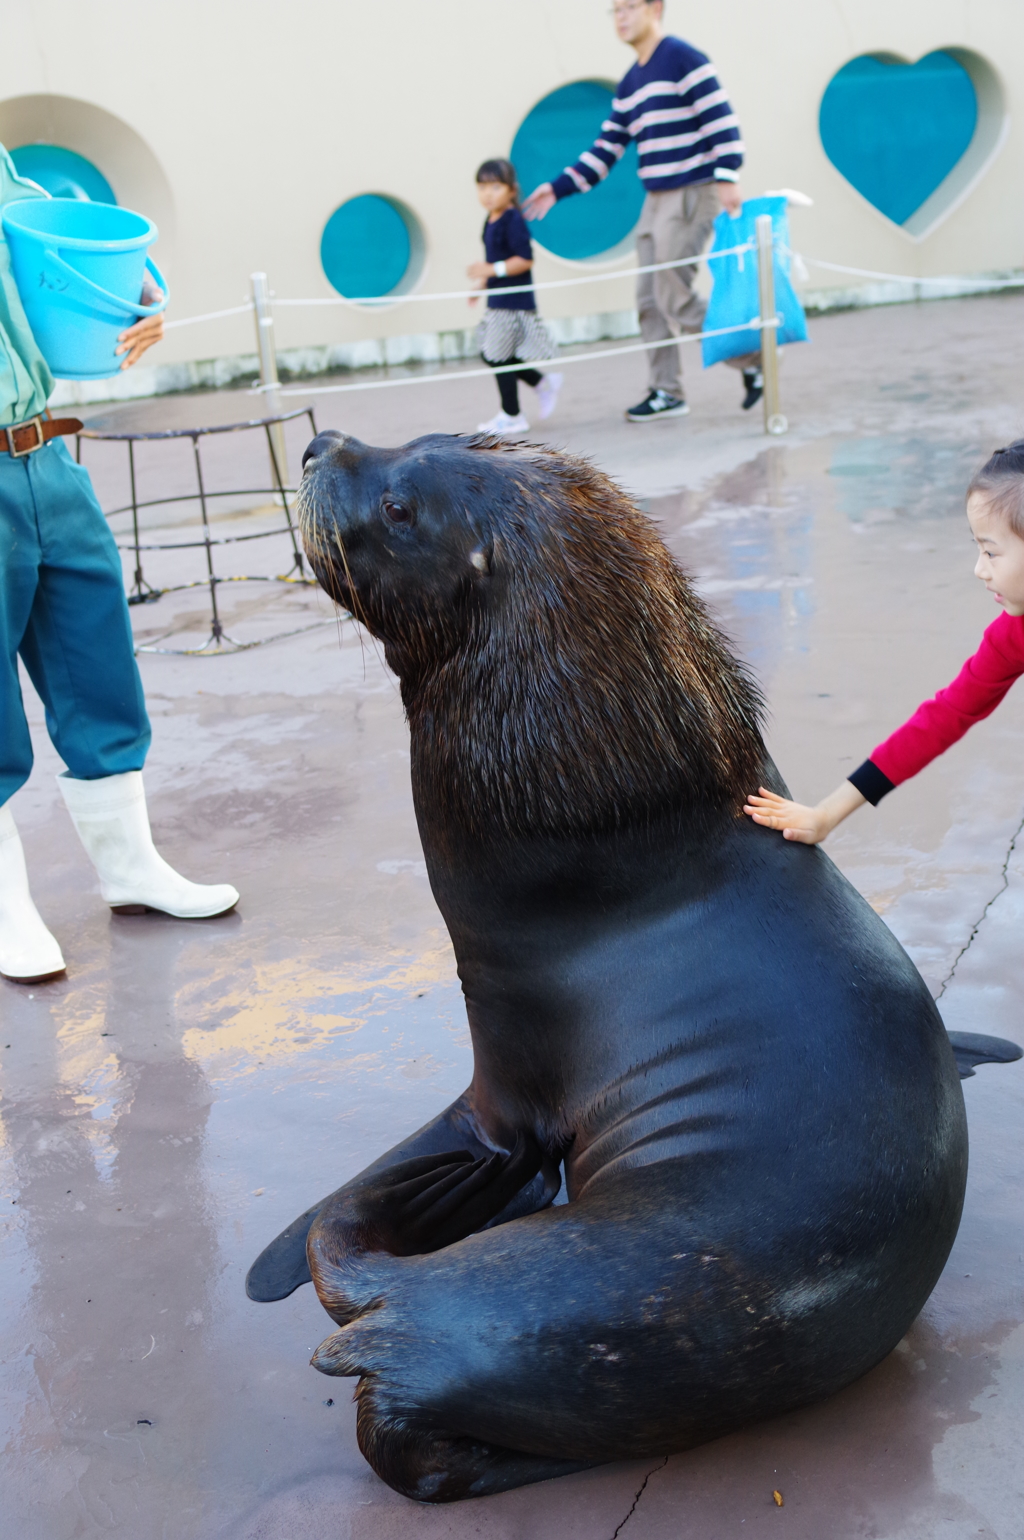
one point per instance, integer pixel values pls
(190, 1087)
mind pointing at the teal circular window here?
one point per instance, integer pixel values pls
(554, 135)
(63, 173)
(894, 130)
(372, 246)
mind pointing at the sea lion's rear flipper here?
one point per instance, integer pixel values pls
(417, 1457)
(281, 1267)
(971, 1048)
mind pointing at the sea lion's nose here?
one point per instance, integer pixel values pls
(330, 438)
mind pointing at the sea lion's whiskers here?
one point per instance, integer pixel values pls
(357, 609)
(324, 549)
(310, 527)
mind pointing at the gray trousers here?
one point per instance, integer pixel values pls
(674, 224)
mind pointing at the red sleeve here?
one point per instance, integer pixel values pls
(974, 694)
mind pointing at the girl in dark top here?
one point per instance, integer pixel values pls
(511, 332)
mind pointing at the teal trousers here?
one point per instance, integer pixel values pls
(63, 608)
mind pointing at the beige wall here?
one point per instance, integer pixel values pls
(245, 125)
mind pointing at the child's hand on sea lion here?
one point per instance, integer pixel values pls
(795, 821)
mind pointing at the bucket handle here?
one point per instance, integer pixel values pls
(86, 289)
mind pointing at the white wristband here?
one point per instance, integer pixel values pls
(501, 269)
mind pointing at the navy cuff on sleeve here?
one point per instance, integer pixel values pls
(871, 783)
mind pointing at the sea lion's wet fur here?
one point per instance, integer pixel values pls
(579, 684)
(745, 1078)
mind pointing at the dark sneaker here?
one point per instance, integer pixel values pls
(753, 379)
(657, 404)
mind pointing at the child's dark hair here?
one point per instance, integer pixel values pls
(501, 171)
(1001, 482)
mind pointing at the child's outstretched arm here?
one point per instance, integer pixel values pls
(807, 825)
(974, 694)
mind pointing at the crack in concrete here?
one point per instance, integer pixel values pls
(640, 1492)
(1005, 875)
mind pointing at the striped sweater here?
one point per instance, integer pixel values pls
(684, 127)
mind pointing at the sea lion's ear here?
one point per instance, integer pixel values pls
(481, 559)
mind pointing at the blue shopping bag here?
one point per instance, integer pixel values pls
(734, 296)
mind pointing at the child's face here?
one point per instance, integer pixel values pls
(495, 196)
(1000, 563)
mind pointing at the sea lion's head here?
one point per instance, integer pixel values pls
(556, 665)
(402, 537)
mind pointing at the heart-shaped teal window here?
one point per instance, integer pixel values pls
(896, 131)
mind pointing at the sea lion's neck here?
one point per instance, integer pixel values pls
(503, 898)
(541, 749)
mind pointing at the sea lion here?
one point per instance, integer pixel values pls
(749, 1086)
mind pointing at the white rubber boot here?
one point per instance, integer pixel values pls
(113, 825)
(28, 953)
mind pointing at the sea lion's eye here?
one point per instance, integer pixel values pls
(396, 513)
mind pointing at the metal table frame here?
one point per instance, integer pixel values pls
(142, 591)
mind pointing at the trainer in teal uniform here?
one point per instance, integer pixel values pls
(63, 608)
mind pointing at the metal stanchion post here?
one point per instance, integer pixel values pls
(774, 421)
(268, 375)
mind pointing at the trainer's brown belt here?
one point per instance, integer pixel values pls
(25, 437)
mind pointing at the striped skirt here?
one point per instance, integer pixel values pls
(506, 334)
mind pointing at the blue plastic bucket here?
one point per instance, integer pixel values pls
(79, 268)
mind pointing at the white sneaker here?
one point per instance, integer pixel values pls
(28, 953)
(113, 825)
(503, 424)
(547, 395)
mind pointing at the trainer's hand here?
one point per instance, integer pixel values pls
(540, 202)
(144, 333)
(731, 199)
(793, 820)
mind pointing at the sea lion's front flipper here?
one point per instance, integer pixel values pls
(971, 1048)
(281, 1267)
(467, 1200)
(417, 1206)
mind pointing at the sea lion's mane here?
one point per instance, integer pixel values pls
(582, 685)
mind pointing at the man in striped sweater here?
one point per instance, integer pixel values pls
(690, 154)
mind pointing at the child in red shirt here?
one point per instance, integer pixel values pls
(995, 511)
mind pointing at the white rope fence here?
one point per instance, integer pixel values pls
(767, 322)
(211, 315)
(367, 301)
(952, 278)
(755, 324)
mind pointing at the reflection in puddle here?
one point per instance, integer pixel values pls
(747, 543)
(278, 1014)
(882, 478)
(754, 539)
(104, 1093)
